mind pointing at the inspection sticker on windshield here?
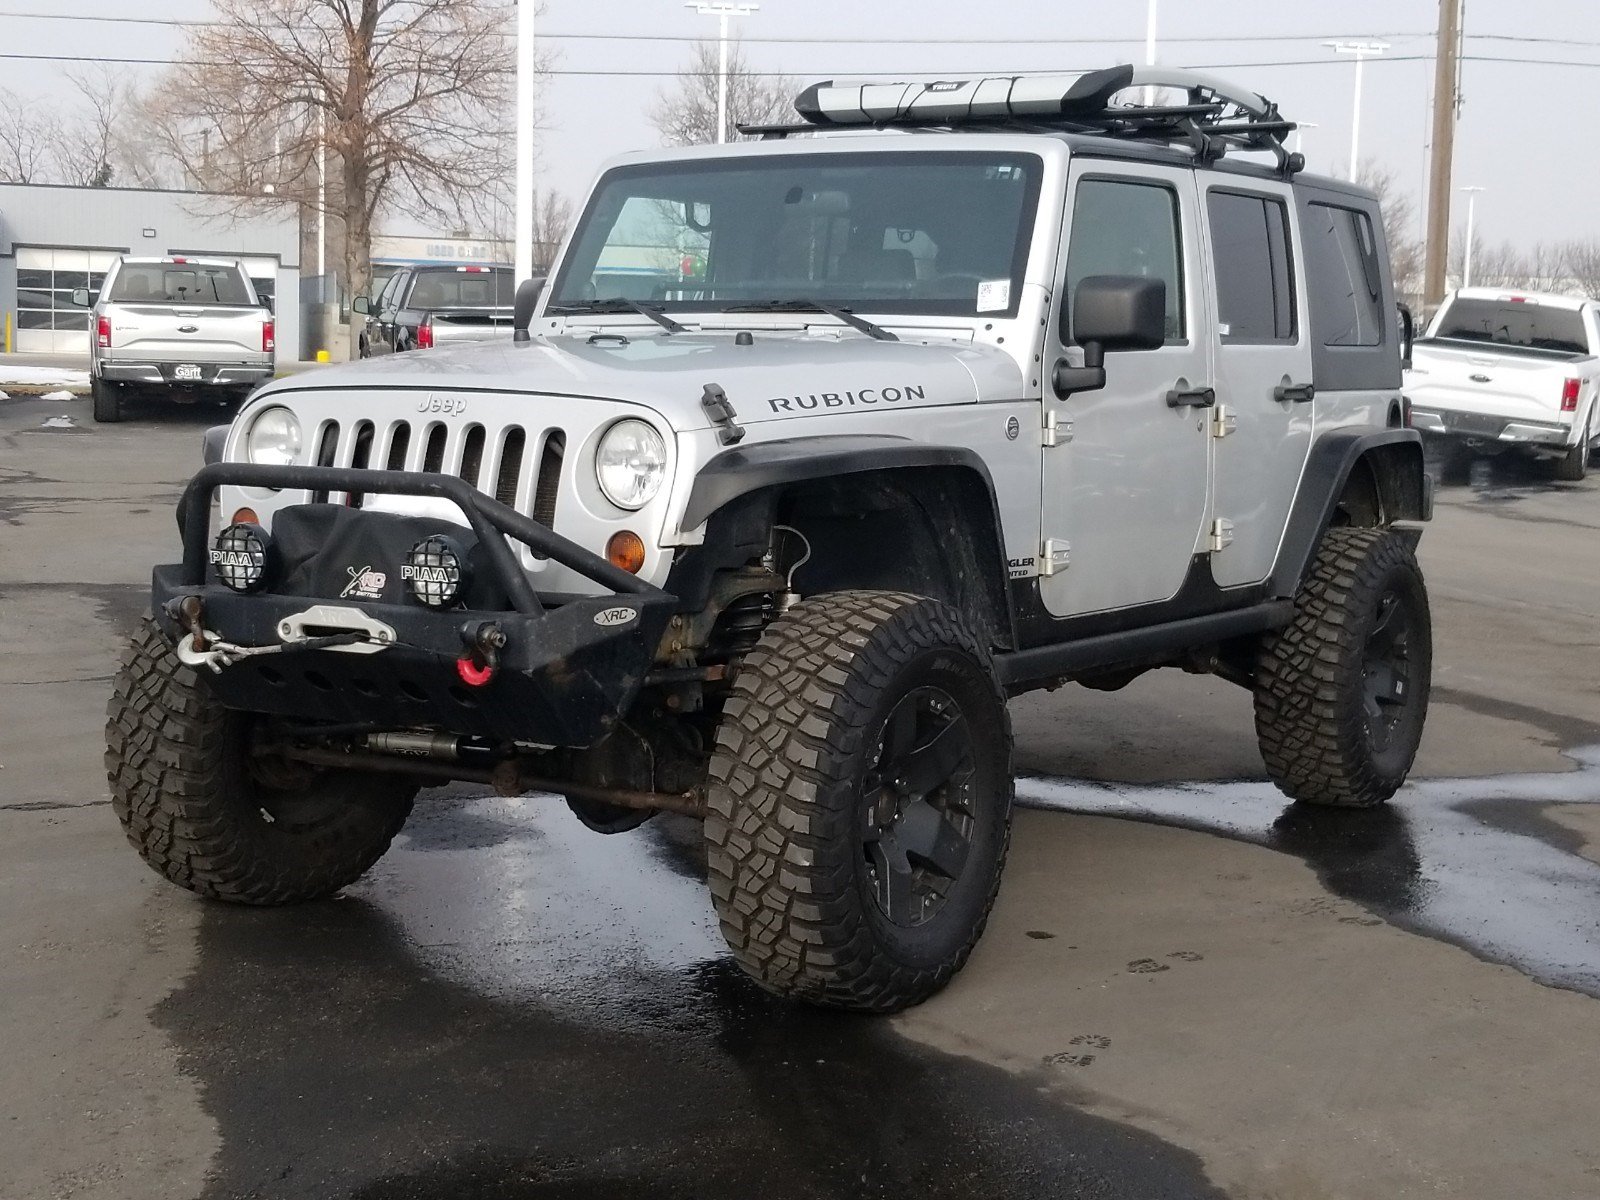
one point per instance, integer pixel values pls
(994, 295)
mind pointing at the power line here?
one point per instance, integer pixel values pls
(174, 22)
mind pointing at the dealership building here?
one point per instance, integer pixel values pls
(54, 239)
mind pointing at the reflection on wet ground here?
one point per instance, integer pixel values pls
(513, 1007)
(1470, 861)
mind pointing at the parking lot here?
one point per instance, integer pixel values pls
(1188, 988)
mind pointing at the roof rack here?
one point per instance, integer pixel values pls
(1217, 116)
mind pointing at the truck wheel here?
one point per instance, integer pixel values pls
(1341, 692)
(201, 813)
(1573, 467)
(106, 399)
(859, 801)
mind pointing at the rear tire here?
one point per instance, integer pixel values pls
(1341, 693)
(106, 400)
(859, 801)
(1574, 467)
(190, 802)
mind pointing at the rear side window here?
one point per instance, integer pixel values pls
(1514, 323)
(180, 283)
(1344, 274)
(1122, 227)
(1254, 273)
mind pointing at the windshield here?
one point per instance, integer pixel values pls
(942, 232)
(1515, 324)
(180, 283)
(452, 287)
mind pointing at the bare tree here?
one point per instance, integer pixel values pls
(90, 139)
(411, 98)
(552, 217)
(686, 113)
(1580, 263)
(28, 136)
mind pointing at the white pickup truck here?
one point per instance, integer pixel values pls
(185, 328)
(1501, 370)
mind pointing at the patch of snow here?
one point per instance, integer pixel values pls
(42, 376)
(61, 395)
(3, 396)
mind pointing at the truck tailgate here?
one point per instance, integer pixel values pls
(190, 334)
(1516, 386)
(469, 324)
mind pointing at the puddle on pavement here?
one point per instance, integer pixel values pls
(1469, 861)
(512, 1007)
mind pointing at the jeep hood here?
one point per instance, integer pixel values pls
(778, 376)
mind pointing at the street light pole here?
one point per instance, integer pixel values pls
(1299, 134)
(1360, 50)
(1150, 49)
(1472, 206)
(722, 11)
(522, 238)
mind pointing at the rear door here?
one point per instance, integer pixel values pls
(1262, 426)
(1125, 485)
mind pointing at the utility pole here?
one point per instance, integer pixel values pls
(1150, 49)
(522, 239)
(1447, 55)
(722, 11)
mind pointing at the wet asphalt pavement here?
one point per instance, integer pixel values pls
(509, 1006)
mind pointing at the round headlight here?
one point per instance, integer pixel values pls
(631, 464)
(274, 438)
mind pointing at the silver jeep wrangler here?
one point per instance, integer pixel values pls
(1029, 386)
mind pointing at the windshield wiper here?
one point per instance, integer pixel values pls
(833, 310)
(619, 304)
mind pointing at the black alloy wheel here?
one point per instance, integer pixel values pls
(919, 807)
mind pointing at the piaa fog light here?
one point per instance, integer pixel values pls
(436, 571)
(240, 556)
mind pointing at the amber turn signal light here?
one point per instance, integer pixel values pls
(625, 549)
(245, 516)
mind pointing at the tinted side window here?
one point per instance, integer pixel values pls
(1342, 256)
(1255, 278)
(1123, 227)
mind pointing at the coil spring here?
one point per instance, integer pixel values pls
(740, 625)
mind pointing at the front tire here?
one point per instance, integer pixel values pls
(859, 801)
(1341, 693)
(106, 400)
(201, 815)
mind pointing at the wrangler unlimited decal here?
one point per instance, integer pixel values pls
(888, 395)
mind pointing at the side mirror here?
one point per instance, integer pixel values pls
(80, 297)
(1112, 313)
(363, 306)
(528, 292)
(1408, 335)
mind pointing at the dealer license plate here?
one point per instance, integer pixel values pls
(187, 371)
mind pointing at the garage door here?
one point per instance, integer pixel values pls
(47, 320)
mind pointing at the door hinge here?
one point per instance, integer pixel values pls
(1057, 429)
(1221, 534)
(1056, 556)
(1223, 421)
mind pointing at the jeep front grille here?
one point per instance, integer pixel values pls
(519, 468)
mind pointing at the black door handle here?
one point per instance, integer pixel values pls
(1299, 393)
(1185, 396)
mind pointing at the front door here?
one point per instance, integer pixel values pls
(1125, 485)
(1263, 369)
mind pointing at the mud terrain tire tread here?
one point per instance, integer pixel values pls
(780, 827)
(167, 751)
(1315, 747)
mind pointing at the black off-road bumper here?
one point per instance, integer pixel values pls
(563, 677)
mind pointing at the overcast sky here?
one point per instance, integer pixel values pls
(1525, 134)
